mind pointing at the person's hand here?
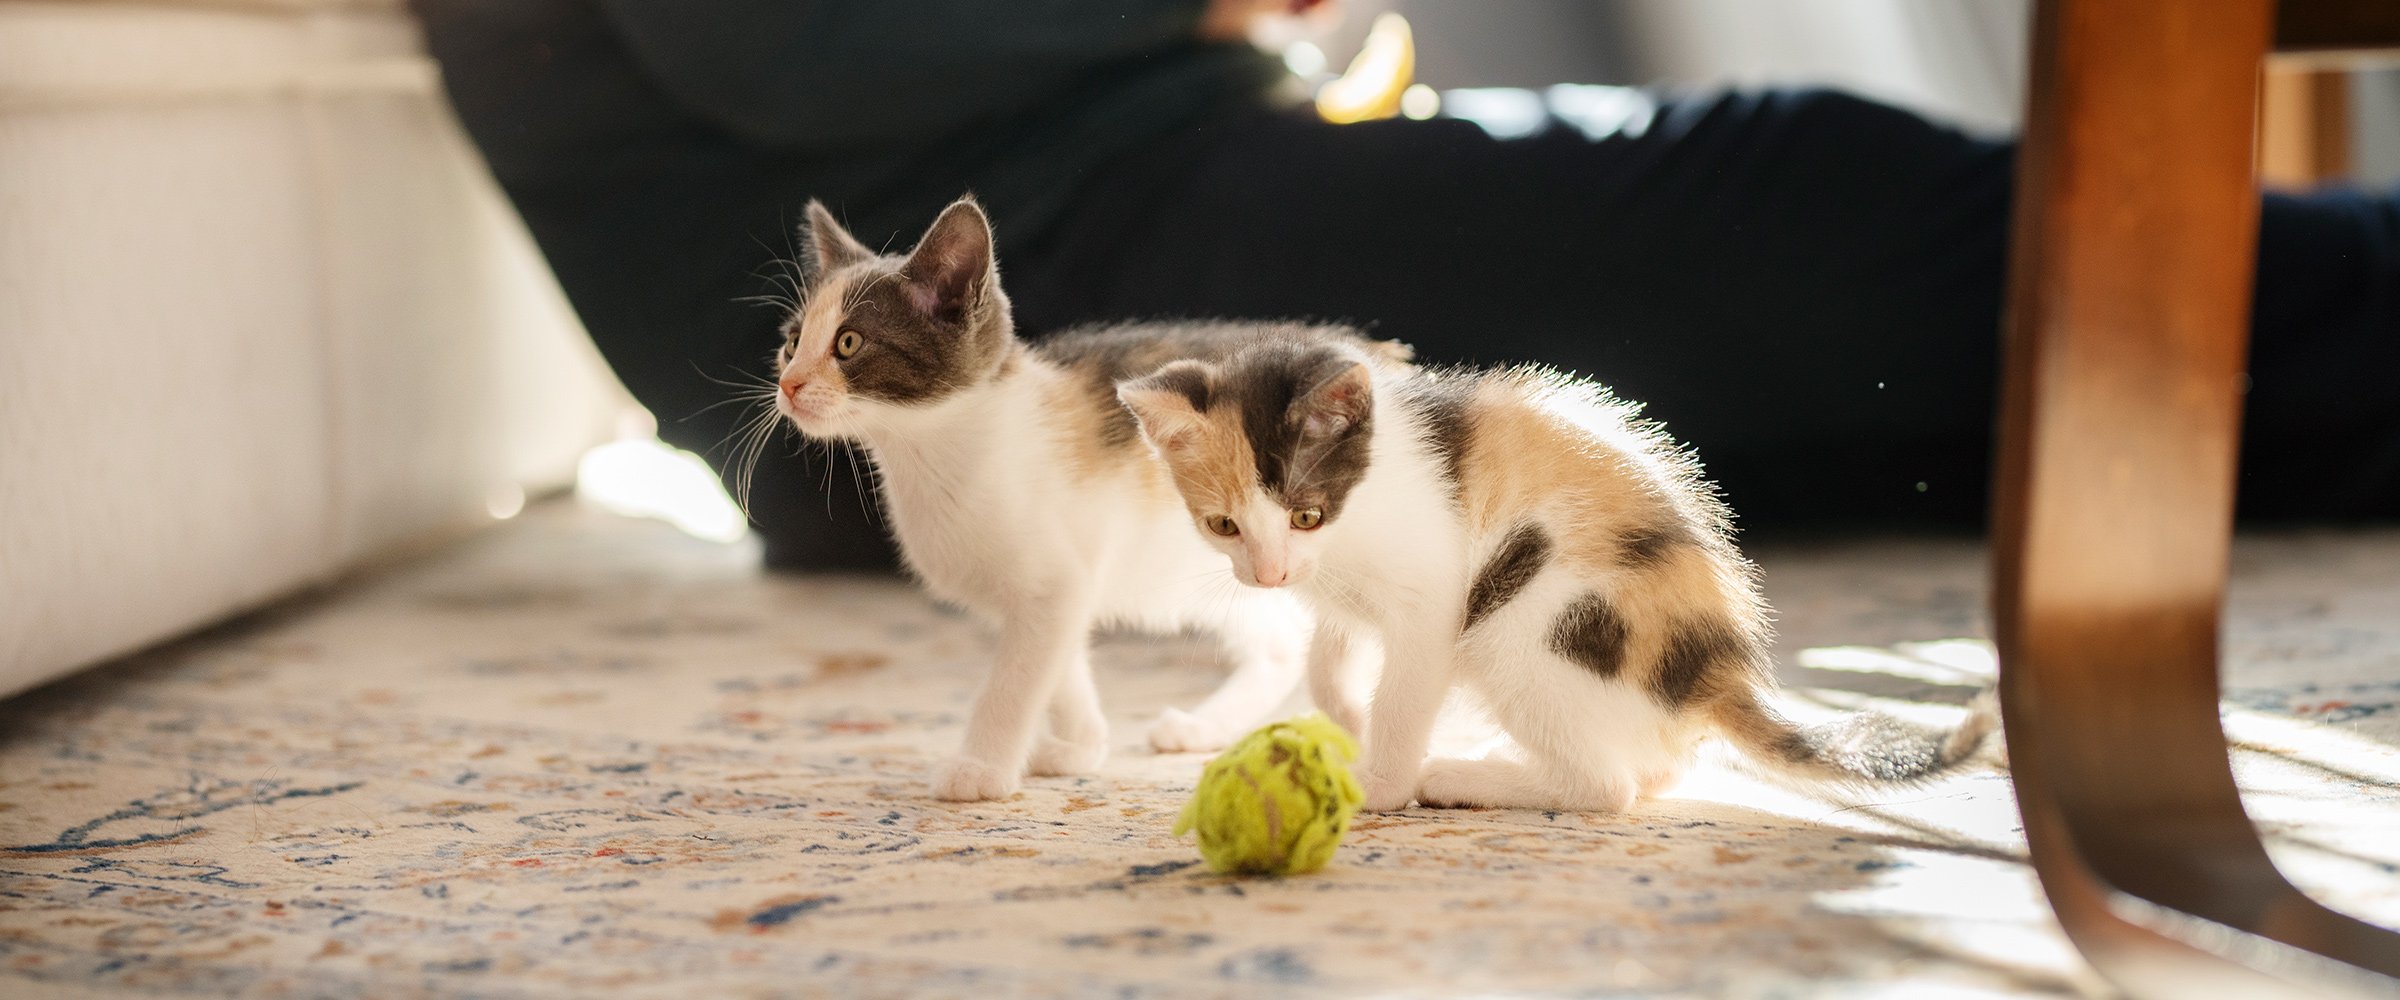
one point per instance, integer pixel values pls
(1230, 20)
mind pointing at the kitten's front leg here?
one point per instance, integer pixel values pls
(1039, 641)
(1077, 740)
(1417, 666)
(1263, 638)
(1336, 656)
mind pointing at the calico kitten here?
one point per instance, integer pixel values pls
(1018, 488)
(1518, 532)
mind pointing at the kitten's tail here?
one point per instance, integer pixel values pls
(1864, 748)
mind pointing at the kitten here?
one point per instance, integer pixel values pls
(1017, 487)
(1517, 532)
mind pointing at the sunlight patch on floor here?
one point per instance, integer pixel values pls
(1941, 661)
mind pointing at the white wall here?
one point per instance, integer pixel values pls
(1960, 60)
(262, 315)
(2375, 114)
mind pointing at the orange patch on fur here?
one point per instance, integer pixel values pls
(1213, 466)
(1523, 455)
(1574, 460)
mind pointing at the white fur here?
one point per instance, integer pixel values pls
(1583, 742)
(981, 494)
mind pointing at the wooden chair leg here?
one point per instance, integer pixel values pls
(2135, 229)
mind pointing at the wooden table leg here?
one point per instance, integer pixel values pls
(2136, 219)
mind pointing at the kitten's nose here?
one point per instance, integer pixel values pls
(1272, 578)
(791, 389)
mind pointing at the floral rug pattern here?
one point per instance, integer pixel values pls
(584, 756)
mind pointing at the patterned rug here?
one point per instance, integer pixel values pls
(585, 756)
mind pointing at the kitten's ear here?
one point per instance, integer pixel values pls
(951, 272)
(1167, 402)
(1340, 400)
(829, 245)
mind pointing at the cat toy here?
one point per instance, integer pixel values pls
(1277, 801)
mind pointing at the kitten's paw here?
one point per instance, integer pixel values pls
(1656, 783)
(1178, 731)
(1386, 794)
(965, 779)
(1453, 784)
(1053, 756)
(1500, 783)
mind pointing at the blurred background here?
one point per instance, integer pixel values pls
(264, 317)
(1958, 60)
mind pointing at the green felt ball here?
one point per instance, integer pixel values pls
(1277, 801)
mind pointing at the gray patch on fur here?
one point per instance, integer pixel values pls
(1106, 355)
(1874, 746)
(1863, 748)
(1695, 650)
(1440, 405)
(908, 357)
(1300, 473)
(1520, 557)
(1591, 633)
(1648, 546)
(1192, 384)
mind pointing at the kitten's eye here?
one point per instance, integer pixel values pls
(1222, 525)
(1307, 519)
(847, 343)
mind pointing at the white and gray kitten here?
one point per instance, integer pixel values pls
(1017, 487)
(1517, 532)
